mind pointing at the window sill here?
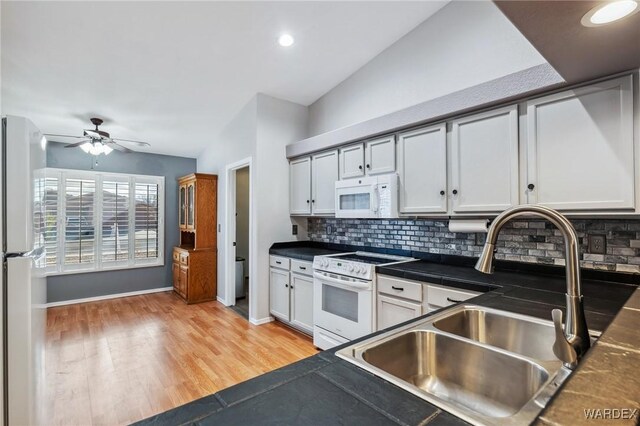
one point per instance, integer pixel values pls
(105, 269)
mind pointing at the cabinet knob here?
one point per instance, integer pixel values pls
(307, 201)
(441, 192)
(360, 166)
(368, 166)
(531, 186)
(455, 191)
(286, 285)
(291, 286)
(313, 201)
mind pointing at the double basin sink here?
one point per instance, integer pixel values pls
(484, 365)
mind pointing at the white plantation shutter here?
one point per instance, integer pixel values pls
(94, 221)
(50, 202)
(79, 228)
(146, 221)
(115, 220)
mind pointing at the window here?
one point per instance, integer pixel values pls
(99, 221)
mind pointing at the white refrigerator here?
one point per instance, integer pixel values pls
(23, 161)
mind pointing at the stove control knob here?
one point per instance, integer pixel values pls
(350, 267)
(363, 270)
(324, 263)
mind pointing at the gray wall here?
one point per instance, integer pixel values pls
(91, 284)
(532, 241)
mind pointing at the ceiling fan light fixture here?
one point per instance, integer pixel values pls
(106, 149)
(86, 147)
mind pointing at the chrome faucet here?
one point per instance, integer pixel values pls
(573, 342)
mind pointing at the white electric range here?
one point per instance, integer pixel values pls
(344, 287)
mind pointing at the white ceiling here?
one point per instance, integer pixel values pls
(174, 73)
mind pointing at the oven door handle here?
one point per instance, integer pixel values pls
(343, 283)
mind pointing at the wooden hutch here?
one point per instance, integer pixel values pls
(195, 260)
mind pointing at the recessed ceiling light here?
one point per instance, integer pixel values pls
(285, 40)
(609, 12)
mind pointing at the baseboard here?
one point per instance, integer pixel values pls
(260, 321)
(221, 300)
(108, 296)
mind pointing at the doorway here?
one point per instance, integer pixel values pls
(242, 261)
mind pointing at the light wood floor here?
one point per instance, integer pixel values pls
(121, 360)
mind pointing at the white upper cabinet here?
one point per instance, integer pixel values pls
(300, 186)
(352, 161)
(484, 162)
(325, 175)
(422, 168)
(580, 148)
(380, 156)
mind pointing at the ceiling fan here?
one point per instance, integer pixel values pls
(96, 141)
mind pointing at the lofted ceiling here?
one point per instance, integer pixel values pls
(174, 73)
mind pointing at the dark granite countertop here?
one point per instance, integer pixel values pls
(324, 389)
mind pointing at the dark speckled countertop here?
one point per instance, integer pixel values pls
(324, 389)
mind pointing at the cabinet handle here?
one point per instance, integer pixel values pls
(397, 288)
(441, 192)
(531, 186)
(278, 262)
(455, 191)
(453, 300)
(304, 268)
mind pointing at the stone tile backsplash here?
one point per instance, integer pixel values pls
(531, 241)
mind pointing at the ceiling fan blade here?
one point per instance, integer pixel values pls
(64, 136)
(74, 145)
(139, 143)
(118, 147)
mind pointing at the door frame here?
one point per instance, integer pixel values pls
(230, 234)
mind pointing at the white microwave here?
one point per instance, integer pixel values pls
(368, 197)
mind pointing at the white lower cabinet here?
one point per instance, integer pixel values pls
(392, 311)
(279, 293)
(291, 292)
(401, 300)
(302, 302)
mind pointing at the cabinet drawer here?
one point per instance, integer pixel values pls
(444, 296)
(184, 258)
(176, 256)
(411, 290)
(279, 262)
(301, 267)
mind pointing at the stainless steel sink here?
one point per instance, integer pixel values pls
(523, 335)
(465, 374)
(484, 365)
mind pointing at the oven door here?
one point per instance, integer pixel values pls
(357, 198)
(343, 305)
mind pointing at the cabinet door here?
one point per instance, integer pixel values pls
(380, 156)
(393, 311)
(300, 186)
(352, 161)
(302, 302)
(484, 161)
(182, 211)
(422, 168)
(580, 148)
(184, 281)
(325, 175)
(279, 293)
(191, 197)
(175, 269)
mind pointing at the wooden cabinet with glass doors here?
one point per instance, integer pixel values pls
(194, 260)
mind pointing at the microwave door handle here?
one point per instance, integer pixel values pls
(376, 199)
